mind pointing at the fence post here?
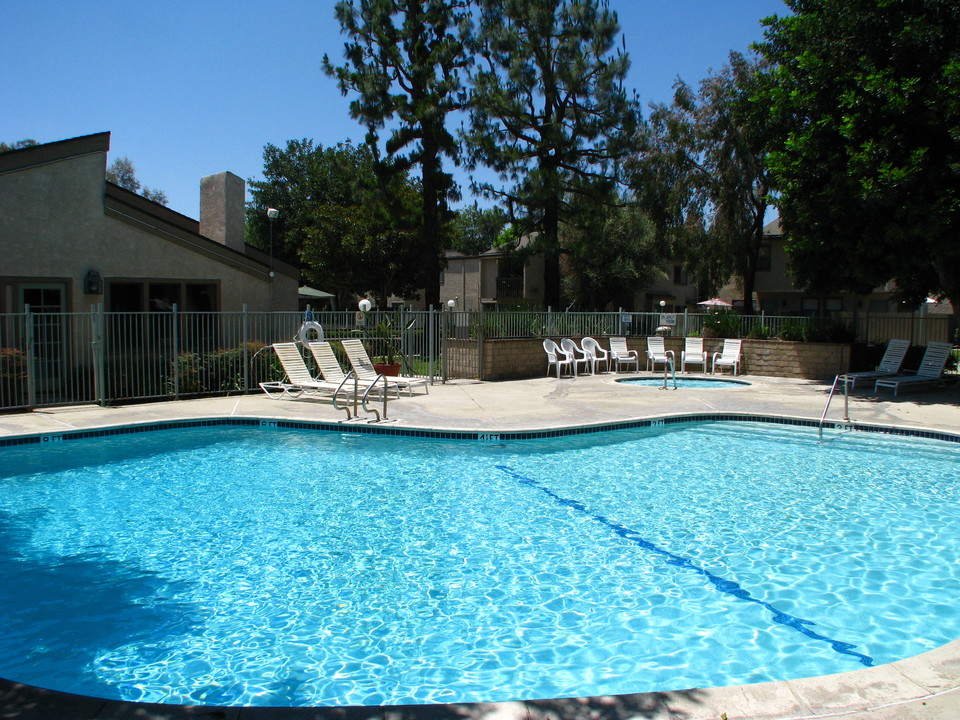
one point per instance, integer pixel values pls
(176, 353)
(99, 357)
(480, 345)
(31, 369)
(432, 343)
(246, 350)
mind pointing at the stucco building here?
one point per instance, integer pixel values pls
(70, 240)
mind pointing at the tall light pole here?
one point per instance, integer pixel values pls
(272, 214)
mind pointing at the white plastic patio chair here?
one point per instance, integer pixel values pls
(556, 358)
(597, 354)
(890, 364)
(576, 355)
(729, 356)
(657, 353)
(693, 354)
(929, 373)
(621, 355)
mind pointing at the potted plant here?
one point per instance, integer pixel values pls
(386, 360)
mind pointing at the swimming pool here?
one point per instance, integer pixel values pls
(685, 382)
(242, 566)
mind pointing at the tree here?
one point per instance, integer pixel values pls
(548, 112)
(298, 179)
(610, 258)
(122, 172)
(368, 248)
(866, 98)
(348, 232)
(403, 63)
(476, 229)
(704, 177)
(19, 144)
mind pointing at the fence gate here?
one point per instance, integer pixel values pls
(462, 350)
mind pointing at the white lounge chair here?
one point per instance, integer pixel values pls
(364, 370)
(556, 358)
(729, 356)
(576, 355)
(889, 364)
(621, 355)
(597, 354)
(331, 371)
(299, 380)
(657, 353)
(693, 354)
(929, 373)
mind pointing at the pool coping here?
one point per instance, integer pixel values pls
(912, 685)
(271, 422)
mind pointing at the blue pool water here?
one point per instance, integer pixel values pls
(685, 382)
(241, 566)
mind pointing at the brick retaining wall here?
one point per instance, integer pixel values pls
(524, 357)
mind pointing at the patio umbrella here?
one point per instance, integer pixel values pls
(715, 302)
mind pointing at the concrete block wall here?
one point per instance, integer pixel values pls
(811, 361)
(519, 358)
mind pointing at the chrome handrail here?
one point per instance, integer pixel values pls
(385, 391)
(672, 368)
(826, 407)
(355, 391)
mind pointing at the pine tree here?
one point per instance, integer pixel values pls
(403, 63)
(548, 112)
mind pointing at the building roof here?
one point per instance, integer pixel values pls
(138, 211)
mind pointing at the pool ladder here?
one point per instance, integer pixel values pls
(668, 369)
(359, 402)
(826, 407)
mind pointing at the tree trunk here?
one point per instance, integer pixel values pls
(551, 258)
(430, 249)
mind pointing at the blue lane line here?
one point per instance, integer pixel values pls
(725, 586)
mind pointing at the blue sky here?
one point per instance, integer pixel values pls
(189, 89)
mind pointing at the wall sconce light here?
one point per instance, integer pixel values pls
(93, 283)
(365, 305)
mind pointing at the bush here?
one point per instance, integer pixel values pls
(721, 324)
(831, 331)
(758, 332)
(13, 377)
(187, 368)
(796, 330)
(221, 370)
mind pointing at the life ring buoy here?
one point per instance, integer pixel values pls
(305, 329)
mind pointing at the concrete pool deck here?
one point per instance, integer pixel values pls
(926, 687)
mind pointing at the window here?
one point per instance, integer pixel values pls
(763, 257)
(810, 305)
(680, 276)
(441, 277)
(834, 304)
(125, 297)
(161, 296)
(200, 297)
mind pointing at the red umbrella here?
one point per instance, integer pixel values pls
(715, 302)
